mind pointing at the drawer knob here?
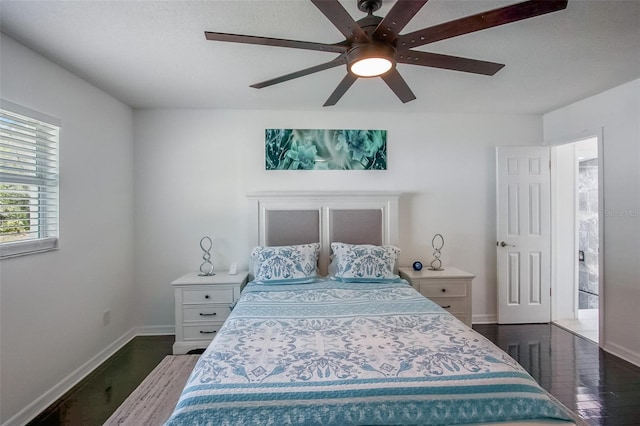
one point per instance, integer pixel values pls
(202, 314)
(444, 290)
(447, 307)
(206, 296)
(207, 332)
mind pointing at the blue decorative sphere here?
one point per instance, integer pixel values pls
(417, 266)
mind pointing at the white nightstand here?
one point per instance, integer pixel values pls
(450, 288)
(202, 305)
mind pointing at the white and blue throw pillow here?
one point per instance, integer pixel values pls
(364, 263)
(296, 264)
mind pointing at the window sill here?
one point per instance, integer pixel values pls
(22, 248)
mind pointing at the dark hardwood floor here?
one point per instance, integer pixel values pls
(95, 398)
(601, 388)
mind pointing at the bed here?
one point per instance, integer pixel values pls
(326, 333)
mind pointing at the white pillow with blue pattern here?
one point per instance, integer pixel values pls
(296, 264)
(364, 263)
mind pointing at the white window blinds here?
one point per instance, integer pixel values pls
(28, 183)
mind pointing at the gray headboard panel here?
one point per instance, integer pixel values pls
(285, 218)
(356, 226)
(290, 227)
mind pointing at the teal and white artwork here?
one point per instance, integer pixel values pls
(325, 149)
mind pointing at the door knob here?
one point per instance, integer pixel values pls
(503, 244)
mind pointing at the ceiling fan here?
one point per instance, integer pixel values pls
(373, 45)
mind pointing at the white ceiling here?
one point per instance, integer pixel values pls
(153, 54)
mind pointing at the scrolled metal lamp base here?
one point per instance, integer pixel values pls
(206, 267)
(436, 263)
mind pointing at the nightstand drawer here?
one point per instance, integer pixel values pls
(210, 295)
(451, 304)
(200, 332)
(202, 304)
(206, 313)
(446, 288)
(449, 288)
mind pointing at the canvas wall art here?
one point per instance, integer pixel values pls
(325, 149)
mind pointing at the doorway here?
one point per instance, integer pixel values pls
(576, 237)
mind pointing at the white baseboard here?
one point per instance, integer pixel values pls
(52, 395)
(155, 330)
(622, 352)
(485, 319)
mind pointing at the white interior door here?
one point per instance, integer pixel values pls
(523, 234)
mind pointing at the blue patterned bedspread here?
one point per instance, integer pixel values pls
(332, 353)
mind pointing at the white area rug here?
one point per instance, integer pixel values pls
(153, 401)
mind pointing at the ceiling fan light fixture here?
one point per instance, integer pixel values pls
(370, 60)
(371, 67)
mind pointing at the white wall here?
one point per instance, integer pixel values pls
(52, 303)
(194, 167)
(617, 113)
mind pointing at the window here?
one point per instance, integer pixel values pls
(28, 181)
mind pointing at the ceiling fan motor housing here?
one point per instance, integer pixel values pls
(368, 24)
(372, 48)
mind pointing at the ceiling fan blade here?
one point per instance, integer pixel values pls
(340, 60)
(396, 19)
(455, 63)
(339, 17)
(481, 21)
(268, 41)
(342, 88)
(400, 87)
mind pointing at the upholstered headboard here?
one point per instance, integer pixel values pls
(284, 218)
